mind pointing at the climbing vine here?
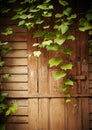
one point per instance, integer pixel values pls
(40, 14)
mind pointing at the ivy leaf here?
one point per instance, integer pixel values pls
(3, 43)
(46, 43)
(2, 63)
(67, 11)
(64, 28)
(70, 37)
(59, 75)
(8, 31)
(73, 16)
(3, 96)
(63, 2)
(67, 67)
(37, 53)
(52, 47)
(21, 23)
(85, 28)
(39, 33)
(59, 41)
(64, 88)
(55, 62)
(67, 51)
(5, 76)
(69, 82)
(58, 15)
(5, 10)
(68, 100)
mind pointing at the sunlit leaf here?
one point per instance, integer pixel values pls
(8, 31)
(67, 11)
(37, 53)
(69, 82)
(59, 75)
(55, 62)
(64, 88)
(67, 67)
(46, 43)
(5, 76)
(2, 63)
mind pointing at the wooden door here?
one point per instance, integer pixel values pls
(42, 105)
(47, 107)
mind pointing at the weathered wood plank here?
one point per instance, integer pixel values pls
(43, 75)
(14, 70)
(33, 116)
(17, 45)
(21, 111)
(15, 61)
(15, 28)
(15, 86)
(17, 119)
(17, 78)
(20, 102)
(43, 114)
(85, 115)
(15, 37)
(17, 94)
(17, 53)
(74, 114)
(57, 114)
(17, 126)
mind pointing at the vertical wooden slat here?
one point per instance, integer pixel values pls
(43, 78)
(85, 113)
(43, 114)
(74, 115)
(57, 114)
(32, 66)
(33, 114)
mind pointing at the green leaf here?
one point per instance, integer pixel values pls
(55, 62)
(2, 127)
(5, 10)
(5, 76)
(64, 28)
(21, 23)
(46, 43)
(5, 50)
(39, 33)
(63, 2)
(73, 16)
(52, 47)
(3, 96)
(3, 106)
(85, 28)
(2, 63)
(37, 53)
(67, 51)
(59, 41)
(67, 11)
(47, 14)
(3, 43)
(70, 37)
(69, 82)
(64, 88)
(59, 75)
(68, 100)
(67, 67)
(8, 31)
(58, 15)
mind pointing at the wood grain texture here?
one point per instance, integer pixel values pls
(57, 114)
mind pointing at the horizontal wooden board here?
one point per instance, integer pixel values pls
(17, 45)
(17, 78)
(17, 94)
(14, 70)
(20, 102)
(21, 111)
(17, 126)
(14, 27)
(17, 119)
(17, 53)
(14, 37)
(15, 61)
(15, 86)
